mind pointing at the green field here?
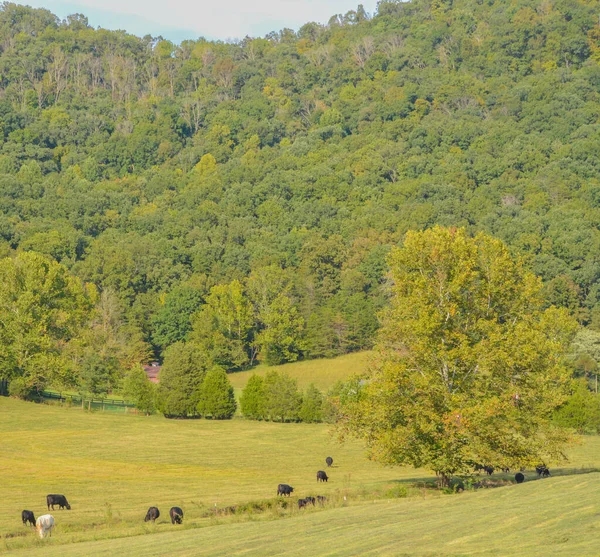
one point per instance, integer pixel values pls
(113, 467)
(324, 373)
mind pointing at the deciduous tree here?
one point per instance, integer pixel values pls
(470, 365)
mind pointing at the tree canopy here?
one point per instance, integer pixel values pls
(298, 160)
(470, 363)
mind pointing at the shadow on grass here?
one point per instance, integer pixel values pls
(480, 481)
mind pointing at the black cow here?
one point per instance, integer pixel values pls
(152, 514)
(284, 489)
(321, 476)
(176, 515)
(302, 503)
(542, 470)
(520, 478)
(59, 500)
(329, 461)
(27, 516)
(489, 470)
(321, 499)
(310, 500)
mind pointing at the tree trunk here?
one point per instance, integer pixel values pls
(444, 480)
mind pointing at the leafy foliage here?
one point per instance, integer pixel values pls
(138, 389)
(41, 308)
(312, 405)
(281, 397)
(471, 366)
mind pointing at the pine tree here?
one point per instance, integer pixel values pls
(252, 400)
(312, 405)
(282, 399)
(216, 396)
(180, 379)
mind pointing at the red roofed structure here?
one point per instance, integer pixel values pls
(152, 372)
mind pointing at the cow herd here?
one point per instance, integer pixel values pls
(45, 523)
(285, 489)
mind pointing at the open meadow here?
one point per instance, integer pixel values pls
(113, 467)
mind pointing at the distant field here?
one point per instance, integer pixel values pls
(113, 467)
(324, 373)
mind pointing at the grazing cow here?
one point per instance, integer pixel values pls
(489, 470)
(542, 470)
(59, 500)
(152, 514)
(44, 525)
(520, 478)
(321, 476)
(310, 500)
(27, 516)
(329, 461)
(302, 503)
(321, 499)
(284, 489)
(176, 515)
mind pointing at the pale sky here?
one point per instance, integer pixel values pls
(188, 19)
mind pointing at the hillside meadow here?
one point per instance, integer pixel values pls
(113, 467)
(323, 372)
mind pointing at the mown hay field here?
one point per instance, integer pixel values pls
(113, 467)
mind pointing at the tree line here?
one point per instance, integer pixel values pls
(158, 172)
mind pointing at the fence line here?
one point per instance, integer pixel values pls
(90, 402)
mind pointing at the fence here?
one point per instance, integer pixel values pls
(88, 403)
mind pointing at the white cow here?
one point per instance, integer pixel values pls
(44, 525)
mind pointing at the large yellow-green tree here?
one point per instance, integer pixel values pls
(470, 362)
(42, 309)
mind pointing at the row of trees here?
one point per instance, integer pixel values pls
(276, 398)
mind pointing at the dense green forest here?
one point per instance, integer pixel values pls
(244, 196)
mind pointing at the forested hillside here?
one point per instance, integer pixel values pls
(244, 196)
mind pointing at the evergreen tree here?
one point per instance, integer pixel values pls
(312, 405)
(216, 396)
(181, 376)
(252, 401)
(282, 399)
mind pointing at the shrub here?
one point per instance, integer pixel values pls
(252, 400)
(216, 396)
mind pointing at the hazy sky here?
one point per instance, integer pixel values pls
(189, 19)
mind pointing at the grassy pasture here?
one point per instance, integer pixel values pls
(132, 462)
(113, 467)
(324, 373)
(558, 516)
